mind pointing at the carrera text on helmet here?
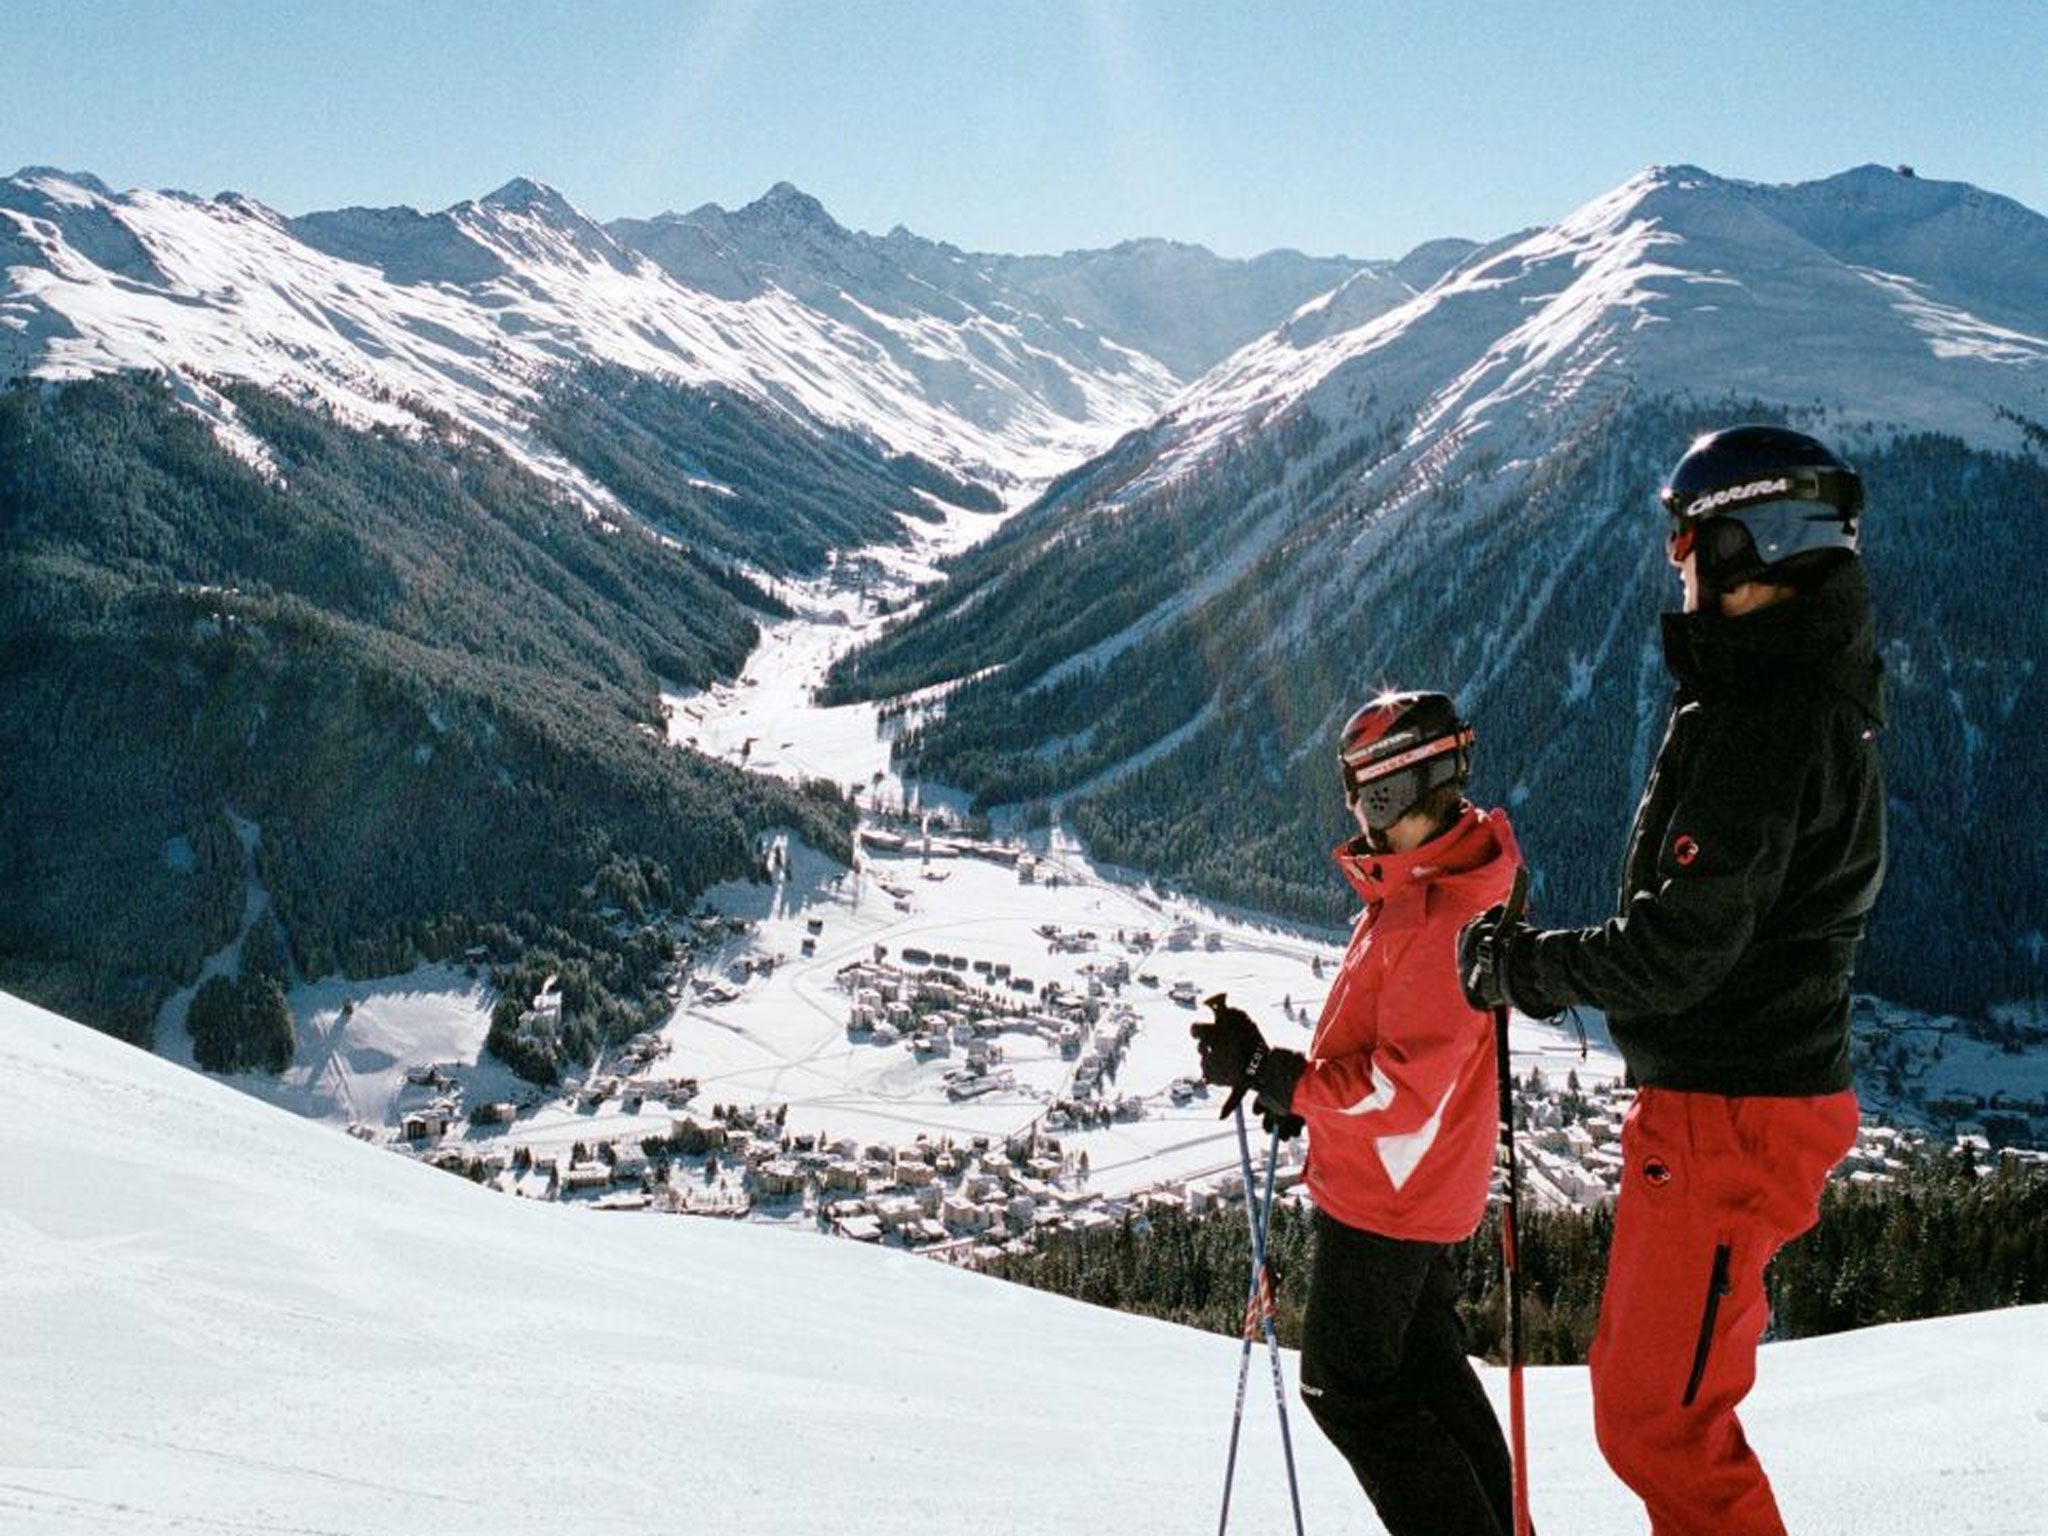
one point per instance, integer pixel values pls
(1733, 495)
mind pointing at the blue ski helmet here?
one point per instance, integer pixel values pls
(1753, 500)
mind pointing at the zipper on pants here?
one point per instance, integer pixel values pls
(1717, 1287)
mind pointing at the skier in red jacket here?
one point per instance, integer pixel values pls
(1398, 1093)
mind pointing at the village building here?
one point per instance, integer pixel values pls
(580, 1178)
(629, 1165)
(776, 1179)
(428, 1124)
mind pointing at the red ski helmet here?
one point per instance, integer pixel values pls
(1397, 749)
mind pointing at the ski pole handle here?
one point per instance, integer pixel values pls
(1518, 897)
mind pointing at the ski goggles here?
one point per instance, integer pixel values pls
(1389, 787)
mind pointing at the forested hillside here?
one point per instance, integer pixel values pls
(1173, 671)
(728, 477)
(1942, 1237)
(420, 683)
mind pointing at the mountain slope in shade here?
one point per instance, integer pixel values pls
(222, 1317)
(432, 687)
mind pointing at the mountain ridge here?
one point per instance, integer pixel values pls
(465, 309)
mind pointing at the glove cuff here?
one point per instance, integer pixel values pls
(1274, 1080)
(1521, 991)
(1255, 1063)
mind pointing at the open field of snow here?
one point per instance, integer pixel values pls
(222, 1319)
(357, 1039)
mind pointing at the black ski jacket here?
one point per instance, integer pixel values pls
(1757, 853)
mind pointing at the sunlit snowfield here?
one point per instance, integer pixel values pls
(221, 1318)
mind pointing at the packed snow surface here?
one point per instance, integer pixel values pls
(222, 1318)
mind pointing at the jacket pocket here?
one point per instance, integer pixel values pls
(1717, 1287)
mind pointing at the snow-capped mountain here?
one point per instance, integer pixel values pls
(221, 1316)
(378, 312)
(1175, 302)
(1458, 492)
(1892, 297)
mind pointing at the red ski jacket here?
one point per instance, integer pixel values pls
(1400, 1092)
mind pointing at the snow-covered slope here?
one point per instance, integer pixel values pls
(378, 312)
(219, 1317)
(1901, 299)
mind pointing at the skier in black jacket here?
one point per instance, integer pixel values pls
(1757, 853)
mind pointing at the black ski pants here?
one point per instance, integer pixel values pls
(1384, 1372)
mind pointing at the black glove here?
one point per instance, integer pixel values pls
(1235, 1056)
(1231, 1048)
(1487, 947)
(1482, 947)
(1288, 1126)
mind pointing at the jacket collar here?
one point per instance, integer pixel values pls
(1464, 850)
(1821, 642)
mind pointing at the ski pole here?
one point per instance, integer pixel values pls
(1256, 1217)
(1263, 1278)
(1258, 1304)
(1510, 1265)
(1244, 1357)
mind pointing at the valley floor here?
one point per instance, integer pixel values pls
(853, 1092)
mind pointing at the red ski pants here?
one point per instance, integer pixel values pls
(1712, 1186)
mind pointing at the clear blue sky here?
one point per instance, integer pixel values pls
(1340, 126)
